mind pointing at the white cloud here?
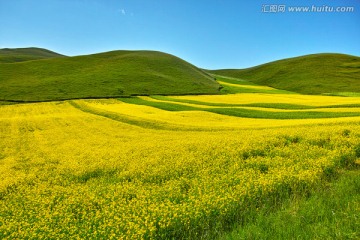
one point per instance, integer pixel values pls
(123, 11)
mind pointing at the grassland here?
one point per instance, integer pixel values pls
(310, 74)
(134, 169)
(103, 75)
(329, 211)
(241, 163)
(34, 75)
(13, 55)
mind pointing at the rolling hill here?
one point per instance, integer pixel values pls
(103, 75)
(12, 55)
(310, 74)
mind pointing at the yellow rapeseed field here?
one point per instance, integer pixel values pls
(312, 100)
(105, 169)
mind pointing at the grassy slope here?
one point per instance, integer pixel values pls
(110, 74)
(9, 55)
(310, 74)
(330, 212)
(235, 85)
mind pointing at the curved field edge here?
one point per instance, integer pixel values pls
(285, 106)
(187, 185)
(137, 121)
(188, 120)
(233, 85)
(328, 211)
(172, 216)
(239, 111)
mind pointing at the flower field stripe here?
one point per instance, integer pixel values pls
(114, 169)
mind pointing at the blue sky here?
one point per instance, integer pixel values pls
(208, 33)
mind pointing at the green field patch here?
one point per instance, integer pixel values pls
(136, 121)
(233, 89)
(344, 94)
(233, 86)
(7, 103)
(328, 211)
(285, 106)
(232, 80)
(241, 112)
(261, 105)
(161, 105)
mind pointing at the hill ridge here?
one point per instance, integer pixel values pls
(109, 74)
(14, 55)
(308, 74)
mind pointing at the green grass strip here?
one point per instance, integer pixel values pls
(136, 121)
(262, 105)
(285, 106)
(242, 112)
(329, 212)
(233, 86)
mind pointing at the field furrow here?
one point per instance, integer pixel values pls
(110, 169)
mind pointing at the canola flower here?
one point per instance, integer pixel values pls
(311, 100)
(206, 120)
(70, 173)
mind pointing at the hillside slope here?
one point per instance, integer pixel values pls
(11, 55)
(310, 74)
(110, 74)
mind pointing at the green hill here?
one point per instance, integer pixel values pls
(11, 55)
(310, 74)
(110, 74)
